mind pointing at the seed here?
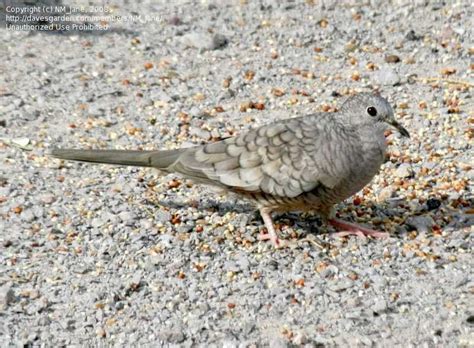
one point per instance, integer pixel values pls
(355, 76)
(226, 82)
(299, 282)
(148, 65)
(371, 66)
(174, 183)
(249, 75)
(353, 276)
(278, 92)
(448, 71)
(403, 106)
(175, 219)
(392, 58)
(199, 97)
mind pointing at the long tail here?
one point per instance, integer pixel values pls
(156, 159)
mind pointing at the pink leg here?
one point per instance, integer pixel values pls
(349, 228)
(271, 233)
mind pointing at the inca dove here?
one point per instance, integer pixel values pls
(304, 163)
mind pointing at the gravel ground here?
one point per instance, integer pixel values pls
(104, 255)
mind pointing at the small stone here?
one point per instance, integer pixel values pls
(97, 222)
(200, 133)
(126, 217)
(204, 41)
(341, 285)
(174, 20)
(299, 339)
(6, 296)
(421, 223)
(386, 77)
(48, 198)
(448, 71)
(412, 36)
(28, 215)
(172, 336)
(433, 203)
(100, 332)
(380, 306)
(404, 170)
(392, 58)
(385, 194)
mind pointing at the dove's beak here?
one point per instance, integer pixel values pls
(400, 128)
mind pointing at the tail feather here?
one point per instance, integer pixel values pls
(156, 159)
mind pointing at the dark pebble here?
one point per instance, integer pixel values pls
(412, 78)
(411, 36)
(392, 58)
(174, 21)
(433, 203)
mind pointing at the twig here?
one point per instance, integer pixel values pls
(442, 79)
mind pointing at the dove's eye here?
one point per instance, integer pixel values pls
(372, 111)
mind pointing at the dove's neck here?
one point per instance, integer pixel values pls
(374, 136)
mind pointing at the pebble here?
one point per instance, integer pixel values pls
(404, 170)
(433, 203)
(27, 215)
(127, 217)
(385, 194)
(380, 306)
(204, 41)
(422, 224)
(171, 336)
(391, 58)
(412, 36)
(200, 133)
(97, 222)
(386, 77)
(7, 296)
(48, 198)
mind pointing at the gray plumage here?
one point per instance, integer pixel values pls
(304, 163)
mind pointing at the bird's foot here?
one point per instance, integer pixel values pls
(348, 228)
(271, 232)
(272, 237)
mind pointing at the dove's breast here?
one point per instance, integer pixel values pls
(362, 172)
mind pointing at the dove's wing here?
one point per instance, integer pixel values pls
(284, 159)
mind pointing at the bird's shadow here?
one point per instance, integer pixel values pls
(311, 223)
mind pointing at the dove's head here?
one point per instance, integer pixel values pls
(370, 109)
